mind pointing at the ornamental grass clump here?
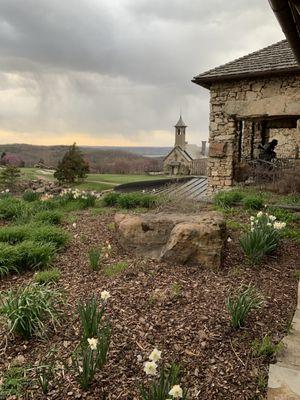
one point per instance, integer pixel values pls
(30, 195)
(94, 256)
(30, 310)
(165, 384)
(263, 237)
(242, 304)
(11, 208)
(52, 217)
(91, 354)
(24, 256)
(265, 347)
(228, 199)
(47, 276)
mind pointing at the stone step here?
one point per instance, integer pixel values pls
(284, 383)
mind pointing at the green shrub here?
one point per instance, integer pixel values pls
(47, 276)
(265, 347)
(132, 200)
(13, 234)
(240, 306)
(32, 255)
(111, 199)
(53, 217)
(228, 199)
(7, 259)
(25, 255)
(94, 255)
(11, 208)
(30, 309)
(258, 243)
(253, 202)
(34, 232)
(115, 269)
(87, 201)
(30, 195)
(48, 234)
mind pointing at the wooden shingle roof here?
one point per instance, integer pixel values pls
(275, 59)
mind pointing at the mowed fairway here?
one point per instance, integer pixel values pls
(93, 181)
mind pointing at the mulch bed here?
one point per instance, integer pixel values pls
(190, 324)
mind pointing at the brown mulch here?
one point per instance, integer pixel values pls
(190, 325)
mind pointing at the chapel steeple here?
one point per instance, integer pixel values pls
(180, 128)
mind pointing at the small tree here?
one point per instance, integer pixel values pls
(72, 167)
(9, 176)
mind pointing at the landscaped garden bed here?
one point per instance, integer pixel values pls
(178, 309)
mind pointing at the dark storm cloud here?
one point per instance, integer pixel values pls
(118, 67)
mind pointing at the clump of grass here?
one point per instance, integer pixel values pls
(111, 199)
(12, 208)
(258, 243)
(115, 269)
(34, 232)
(47, 276)
(228, 199)
(242, 304)
(30, 309)
(30, 195)
(95, 255)
(14, 381)
(52, 217)
(130, 200)
(253, 202)
(176, 289)
(25, 255)
(291, 233)
(265, 347)
(13, 234)
(284, 215)
(49, 234)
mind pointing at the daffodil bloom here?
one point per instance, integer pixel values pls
(176, 392)
(105, 295)
(155, 355)
(93, 343)
(279, 225)
(150, 368)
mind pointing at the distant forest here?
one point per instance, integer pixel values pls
(101, 161)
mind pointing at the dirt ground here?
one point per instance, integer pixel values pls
(179, 309)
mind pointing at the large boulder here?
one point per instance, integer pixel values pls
(176, 238)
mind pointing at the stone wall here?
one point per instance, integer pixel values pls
(232, 101)
(287, 142)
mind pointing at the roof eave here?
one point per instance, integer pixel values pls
(288, 15)
(207, 82)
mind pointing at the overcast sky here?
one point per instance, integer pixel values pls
(117, 72)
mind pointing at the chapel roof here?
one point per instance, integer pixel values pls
(180, 123)
(271, 60)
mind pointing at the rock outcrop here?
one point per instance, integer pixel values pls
(176, 238)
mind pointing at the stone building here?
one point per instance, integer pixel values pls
(253, 99)
(184, 158)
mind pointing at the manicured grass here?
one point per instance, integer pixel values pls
(33, 173)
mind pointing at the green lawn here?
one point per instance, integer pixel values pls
(93, 181)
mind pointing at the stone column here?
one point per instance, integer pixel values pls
(247, 140)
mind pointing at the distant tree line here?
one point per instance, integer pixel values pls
(99, 160)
